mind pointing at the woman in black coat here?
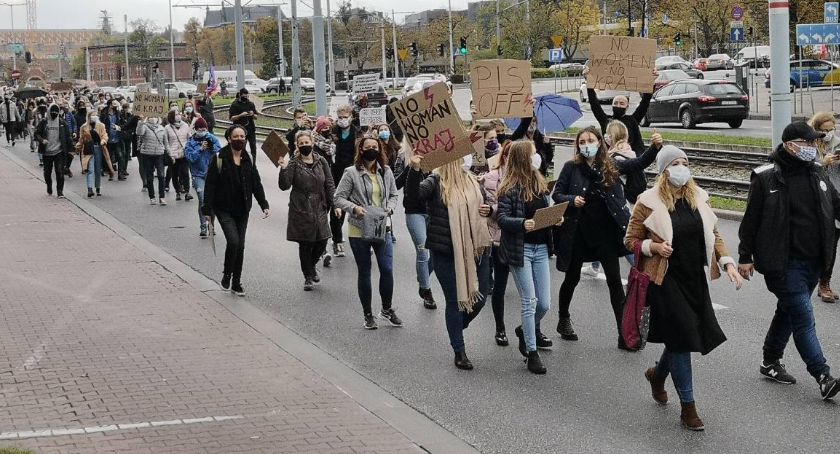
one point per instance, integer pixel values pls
(596, 220)
(308, 176)
(232, 182)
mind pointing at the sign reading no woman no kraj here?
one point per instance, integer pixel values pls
(621, 63)
(431, 123)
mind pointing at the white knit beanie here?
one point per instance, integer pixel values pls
(667, 155)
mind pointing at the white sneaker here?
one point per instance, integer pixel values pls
(588, 271)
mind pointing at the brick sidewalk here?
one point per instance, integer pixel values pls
(103, 349)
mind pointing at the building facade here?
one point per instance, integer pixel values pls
(107, 65)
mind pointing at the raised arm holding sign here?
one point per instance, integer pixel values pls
(621, 63)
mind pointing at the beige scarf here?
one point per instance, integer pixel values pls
(470, 239)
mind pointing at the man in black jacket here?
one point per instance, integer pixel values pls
(788, 234)
(243, 112)
(54, 142)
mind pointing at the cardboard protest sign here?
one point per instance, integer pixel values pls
(547, 217)
(61, 86)
(275, 148)
(258, 103)
(150, 105)
(370, 116)
(479, 156)
(432, 126)
(201, 89)
(501, 88)
(621, 63)
(365, 83)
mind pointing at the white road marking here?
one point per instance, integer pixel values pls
(42, 433)
(719, 307)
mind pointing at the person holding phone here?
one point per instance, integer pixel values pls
(243, 113)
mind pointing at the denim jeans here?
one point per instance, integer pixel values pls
(118, 155)
(533, 281)
(795, 316)
(416, 224)
(198, 184)
(679, 366)
(456, 320)
(384, 253)
(94, 176)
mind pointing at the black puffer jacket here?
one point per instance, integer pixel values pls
(410, 201)
(511, 219)
(218, 187)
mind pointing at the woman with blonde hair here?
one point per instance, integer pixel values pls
(523, 248)
(674, 230)
(459, 241)
(828, 149)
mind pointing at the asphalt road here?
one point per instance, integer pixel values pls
(594, 397)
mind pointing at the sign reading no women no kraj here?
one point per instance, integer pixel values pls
(621, 63)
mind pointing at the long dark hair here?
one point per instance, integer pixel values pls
(359, 161)
(602, 159)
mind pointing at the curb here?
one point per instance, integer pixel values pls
(728, 215)
(428, 435)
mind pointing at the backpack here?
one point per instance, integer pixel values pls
(634, 183)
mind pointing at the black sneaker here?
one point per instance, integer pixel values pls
(327, 260)
(428, 299)
(370, 323)
(316, 279)
(178, 197)
(98, 192)
(776, 372)
(338, 249)
(61, 196)
(543, 343)
(237, 289)
(308, 285)
(225, 279)
(829, 386)
(49, 191)
(391, 316)
(90, 192)
(203, 232)
(188, 197)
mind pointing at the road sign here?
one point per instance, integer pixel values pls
(15, 48)
(736, 24)
(665, 19)
(830, 12)
(403, 54)
(813, 34)
(736, 34)
(737, 13)
(16, 74)
(555, 55)
(557, 40)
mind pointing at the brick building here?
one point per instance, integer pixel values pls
(44, 46)
(107, 64)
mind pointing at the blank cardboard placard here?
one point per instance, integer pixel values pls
(275, 148)
(621, 63)
(371, 116)
(501, 88)
(61, 86)
(150, 105)
(546, 217)
(365, 83)
(258, 103)
(432, 126)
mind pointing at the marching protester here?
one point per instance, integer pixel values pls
(9, 116)
(190, 115)
(344, 137)
(309, 177)
(54, 142)
(152, 143)
(368, 193)
(201, 148)
(128, 134)
(459, 240)
(323, 139)
(828, 150)
(302, 122)
(243, 112)
(73, 128)
(31, 119)
(113, 122)
(491, 148)
(490, 183)
(528, 129)
(786, 235)
(204, 107)
(620, 104)
(177, 134)
(93, 139)
(596, 220)
(675, 231)
(228, 194)
(525, 250)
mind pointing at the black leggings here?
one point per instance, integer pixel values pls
(500, 280)
(613, 273)
(310, 252)
(234, 228)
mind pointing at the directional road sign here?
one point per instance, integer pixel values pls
(736, 34)
(830, 11)
(555, 55)
(813, 34)
(737, 13)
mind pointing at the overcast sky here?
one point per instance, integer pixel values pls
(85, 13)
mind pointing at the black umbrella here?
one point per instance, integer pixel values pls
(25, 93)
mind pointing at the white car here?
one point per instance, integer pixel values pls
(412, 81)
(126, 92)
(668, 60)
(179, 89)
(309, 84)
(256, 85)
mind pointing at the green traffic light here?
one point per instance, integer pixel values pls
(464, 51)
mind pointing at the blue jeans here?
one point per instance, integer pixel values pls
(795, 316)
(94, 176)
(533, 281)
(198, 184)
(416, 224)
(679, 366)
(456, 320)
(384, 253)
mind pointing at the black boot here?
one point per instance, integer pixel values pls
(564, 327)
(522, 349)
(535, 364)
(462, 362)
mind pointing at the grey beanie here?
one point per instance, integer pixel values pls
(667, 155)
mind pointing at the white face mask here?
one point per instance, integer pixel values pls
(679, 175)
(589, 151)
(828, 136)
(178, 119)
(536, 161)
(343, 123)
(468, 162)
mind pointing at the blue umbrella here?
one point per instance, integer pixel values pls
(553, 113)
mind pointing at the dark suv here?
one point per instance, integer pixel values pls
(692, 102)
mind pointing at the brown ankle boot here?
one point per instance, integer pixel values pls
(689, 418)
(825, 293)
(657, 387)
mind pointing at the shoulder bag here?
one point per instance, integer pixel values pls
(635, 321)
(374, 222)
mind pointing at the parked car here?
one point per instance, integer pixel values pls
(126, 93)
(604, 96)
(700, 63)
(814, 73)
(683, 66)
(569, 67)
(273, 85)
(179, 89)
(692, 102)
(376, 99)
(412, 81)
(668, 59)
(719, 61)
(667, 76)
(309, 84)
(256, 85)
(752, 53)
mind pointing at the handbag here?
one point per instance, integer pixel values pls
(374, 222)
(635, 321)
(167, 159)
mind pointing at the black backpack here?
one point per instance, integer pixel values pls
(634, 183)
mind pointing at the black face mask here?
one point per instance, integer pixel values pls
(305, 150)
(370, 155)
(54, 114)
(619, 112)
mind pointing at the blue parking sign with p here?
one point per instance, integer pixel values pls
(555, 55)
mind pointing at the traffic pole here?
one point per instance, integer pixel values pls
(320, 59)
(296, 89)
(240, 46)
(780, 98)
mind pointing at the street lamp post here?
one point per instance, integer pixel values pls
(451, 52)
(171, 42)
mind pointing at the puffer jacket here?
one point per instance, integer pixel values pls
(152, 140)
(491, 182)
(511, 218)
(177, 138)
(200, 159)
(311, 198)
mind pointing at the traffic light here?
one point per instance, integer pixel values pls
(195, 66)
(28, 57)
(441, 48)
(389, 53)
(155, 68)
(277, 60)
(750, 31)
(413, 49)
(463, 47)
(678, 39)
